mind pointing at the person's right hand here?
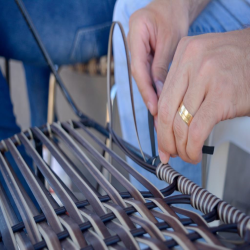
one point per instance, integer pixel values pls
(154, 33)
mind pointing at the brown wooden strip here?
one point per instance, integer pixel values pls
(109, 189)
(74, 230)
(95, 240)
(54, 183)
(34, 186)
(79, 182)
(25, 212)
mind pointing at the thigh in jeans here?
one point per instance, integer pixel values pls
(72, 31)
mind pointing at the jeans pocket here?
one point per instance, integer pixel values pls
(90, 42)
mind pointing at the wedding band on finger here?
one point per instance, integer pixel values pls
(184, 114)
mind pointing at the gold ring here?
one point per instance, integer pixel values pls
(185, 115)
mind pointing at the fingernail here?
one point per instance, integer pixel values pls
(156, 122)
(159, 87)
(164, 157)
(150, 107)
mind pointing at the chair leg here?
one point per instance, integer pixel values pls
(51, 102)
(108, 143)
(50, 118)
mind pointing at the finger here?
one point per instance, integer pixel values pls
(170, 100)
(181, 134)
(141, 59)
(166, 112)
(192, 101)
(163, 55)
(159, 87)
(200, 128)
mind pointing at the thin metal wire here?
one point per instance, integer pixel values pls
(129, 78)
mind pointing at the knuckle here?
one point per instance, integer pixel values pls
(159, 68)
(194, 45)
(138, 18)
(193, 157)
(159, 73)
(193, 49)
(133, 18)
(171, 149)
(184, 41)
(185, 158)
(181, 152)
(194, 160)
(208, 64)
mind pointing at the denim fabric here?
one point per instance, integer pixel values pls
(72, 31)
(37, 79)
(218, 16)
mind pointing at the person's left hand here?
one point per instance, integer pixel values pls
(211, 75)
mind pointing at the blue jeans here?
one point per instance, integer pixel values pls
(72, 32)
(218, 16)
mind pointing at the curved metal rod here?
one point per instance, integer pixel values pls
(129, 77)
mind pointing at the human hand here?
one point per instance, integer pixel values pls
(211, 75)
(154, 33)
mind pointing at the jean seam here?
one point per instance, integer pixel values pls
(81, 31)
